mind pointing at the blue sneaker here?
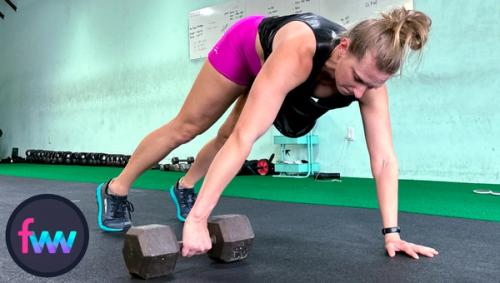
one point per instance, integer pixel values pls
(113, 212)
(184, 199)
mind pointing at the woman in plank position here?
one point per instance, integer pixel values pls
(286, 71)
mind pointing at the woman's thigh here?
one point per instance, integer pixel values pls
(210, 96)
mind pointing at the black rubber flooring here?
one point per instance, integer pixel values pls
(294, 242)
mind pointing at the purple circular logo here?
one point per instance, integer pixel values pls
(47, 235)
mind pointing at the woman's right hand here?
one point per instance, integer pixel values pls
(195, 236)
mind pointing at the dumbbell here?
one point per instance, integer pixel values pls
(98, 158)
(57, 158)
(152, 250)
(40, 155)
(122, 160)
(82, 158)
(115, 161)
(54, 157)
(111, 160)
(104, 159)
(29, 155)
(43, 156)
(184, 167)
(176, 160)
(35, 156)
(47, 155)
(66, 157)
(91, 158)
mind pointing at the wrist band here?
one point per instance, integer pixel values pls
(391, 230)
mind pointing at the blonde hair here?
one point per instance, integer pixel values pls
(390, 37)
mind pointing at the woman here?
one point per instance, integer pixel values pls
(287, 71)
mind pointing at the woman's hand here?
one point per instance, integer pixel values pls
(196, 239)
(393, 244)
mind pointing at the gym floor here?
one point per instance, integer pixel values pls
(323, 231)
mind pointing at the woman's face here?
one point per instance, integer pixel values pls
(353, 76)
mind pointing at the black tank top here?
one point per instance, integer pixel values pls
(299, 112)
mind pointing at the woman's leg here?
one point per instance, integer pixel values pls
(208, 152)
(210, 96)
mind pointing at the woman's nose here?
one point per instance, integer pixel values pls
(359, 91)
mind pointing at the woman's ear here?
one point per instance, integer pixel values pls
(344, 45)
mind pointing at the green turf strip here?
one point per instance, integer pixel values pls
(434, 198)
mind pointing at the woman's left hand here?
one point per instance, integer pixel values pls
(393, 244)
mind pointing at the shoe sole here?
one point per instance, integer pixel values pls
(177, 206)
(99, 212)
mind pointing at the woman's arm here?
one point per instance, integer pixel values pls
(374, 108)
(375, 114)
(287, 67)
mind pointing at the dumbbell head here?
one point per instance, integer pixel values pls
(74, 158)
(67, 157)
(104, 159)
(233, 235)
(190, 160)
(150, 251)
(175, 160)
(82, 158)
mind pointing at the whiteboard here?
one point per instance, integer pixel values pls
(207, 25)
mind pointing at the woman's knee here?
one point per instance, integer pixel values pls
(222, 136)
(182, 131)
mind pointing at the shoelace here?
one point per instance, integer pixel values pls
(123, 205)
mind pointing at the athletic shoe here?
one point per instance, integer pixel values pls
(184, 199)
(113, 212)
